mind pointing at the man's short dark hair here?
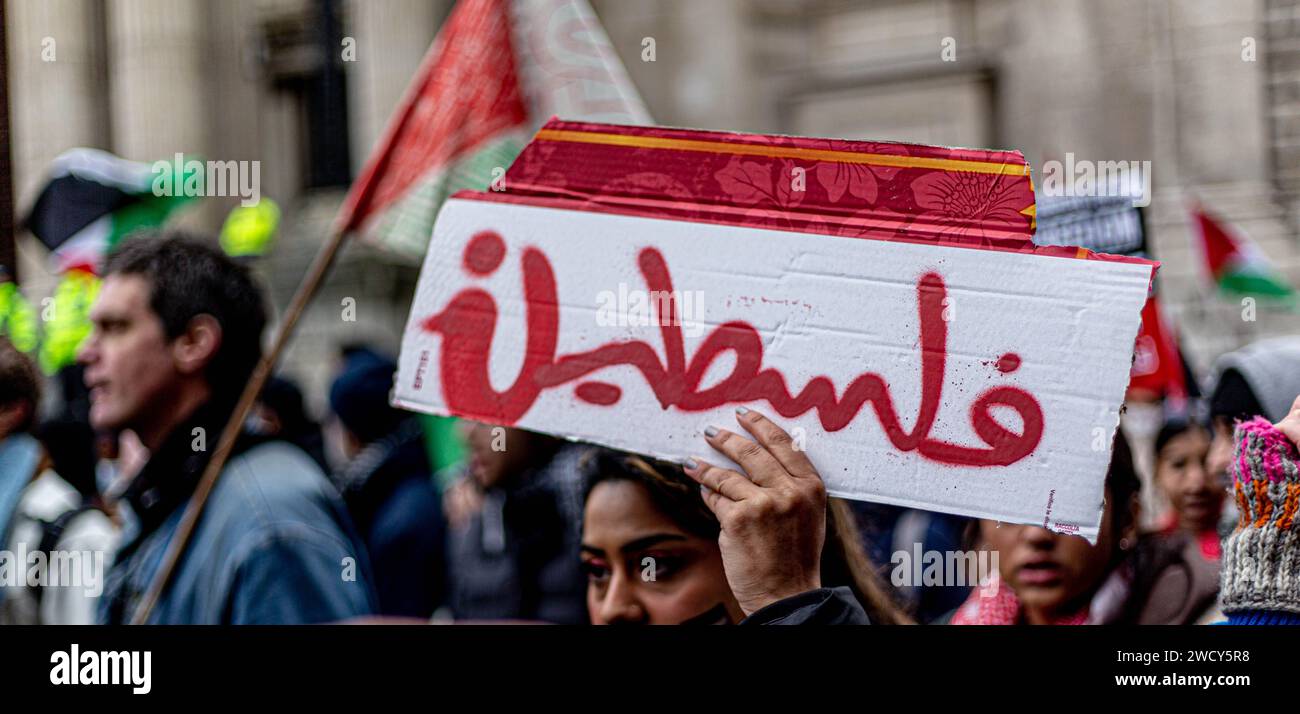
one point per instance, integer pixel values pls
(19, 382)
(189, 277)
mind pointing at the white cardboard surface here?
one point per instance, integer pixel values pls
(823, 306)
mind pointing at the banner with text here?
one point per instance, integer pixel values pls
(919, 362)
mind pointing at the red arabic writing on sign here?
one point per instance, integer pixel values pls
(467, 326)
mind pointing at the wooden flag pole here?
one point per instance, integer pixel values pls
(194, 509)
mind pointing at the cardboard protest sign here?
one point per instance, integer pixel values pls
(631, 286)
(1114, 224)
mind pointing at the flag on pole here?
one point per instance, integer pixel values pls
(497, 70)
(92, 200)
(1237, 264)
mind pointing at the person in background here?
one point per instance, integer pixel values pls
(651, 554)
(1256, 380)
(388, 485)
(41, 512)
(68, 423)
(1048, 578)
(1195, 493)
(177, 329)
(890, 532)
(513, 516)
(278, 413)
(1261, 557)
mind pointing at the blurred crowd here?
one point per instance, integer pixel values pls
(364, 517)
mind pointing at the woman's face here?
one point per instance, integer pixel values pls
(1052, 574)
(644, 569)
(1195, 492)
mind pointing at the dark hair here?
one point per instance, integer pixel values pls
(844, 561)
(1233, 398)
(1172, 429)
(1122, 484)
(19, 382)
(73, 452)
(188, 277)
(359, 395)
(673, 492)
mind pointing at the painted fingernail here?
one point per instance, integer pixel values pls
(742, 411)
(711, 431)
(691, 464)
(704, 490)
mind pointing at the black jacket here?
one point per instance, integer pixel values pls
(824, 606)
(518, 558)
(390, 493)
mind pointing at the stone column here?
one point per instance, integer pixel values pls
(55, 86)
(56, 102)
(157, 54)
(391, 38)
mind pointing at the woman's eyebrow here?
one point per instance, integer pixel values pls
(638, 544)
(646, 541)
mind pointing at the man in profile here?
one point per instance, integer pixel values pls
(177, 334)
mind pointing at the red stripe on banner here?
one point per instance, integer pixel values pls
(783, 182)
(989, 156)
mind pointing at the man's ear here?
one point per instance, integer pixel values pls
(195, 348)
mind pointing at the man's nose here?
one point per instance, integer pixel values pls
(89, 350)
(620, 605)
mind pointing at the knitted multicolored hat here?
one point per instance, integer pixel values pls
(1261, 558)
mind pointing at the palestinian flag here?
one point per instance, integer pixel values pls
(93, 200)
(497, 70)
(1237, 264)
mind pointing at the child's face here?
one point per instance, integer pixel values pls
(1195, 492)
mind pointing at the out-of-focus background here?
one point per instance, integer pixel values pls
(1208, 91)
